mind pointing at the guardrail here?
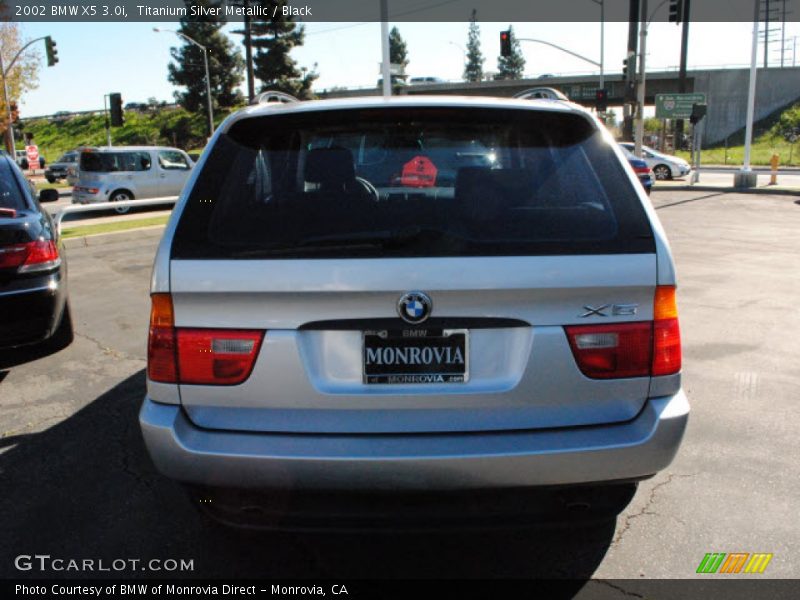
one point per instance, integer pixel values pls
(98, 206)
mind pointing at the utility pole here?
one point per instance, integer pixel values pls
(678, 141)
(248, 56)
(630, 82)
(602, 4)
(247, 32)
(746, 177)
(766, 33)
(385, 67)
(637, 149)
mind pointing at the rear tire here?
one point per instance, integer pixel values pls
(50, 179)
(662, 172)
(120, 196)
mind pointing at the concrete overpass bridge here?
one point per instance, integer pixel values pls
(725, 89)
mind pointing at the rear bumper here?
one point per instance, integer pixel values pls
(433, 462)
(31, 310)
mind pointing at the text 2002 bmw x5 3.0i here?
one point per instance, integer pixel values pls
(430, 309)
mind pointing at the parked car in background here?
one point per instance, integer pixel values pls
(341, 337)
(118, 173)
(33, 268)
(664, 166)
(58, 170)
(640, 167)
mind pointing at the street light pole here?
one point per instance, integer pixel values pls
(463, 52)
(10, 143)
(208, 93)
(208, 76)
(575, 54)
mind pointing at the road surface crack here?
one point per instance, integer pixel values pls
(109, 351)
(619, 589)
(646, 508)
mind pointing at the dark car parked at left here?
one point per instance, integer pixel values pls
(33, 269)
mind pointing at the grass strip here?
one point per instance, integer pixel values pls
(113, 226)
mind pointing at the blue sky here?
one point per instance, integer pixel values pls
(99, 58)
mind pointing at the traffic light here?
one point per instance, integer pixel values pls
(14, 112)
(117, 118)
(601, 100)
(52, 52)
(675, 11)
(698, 112)
(625, 68)
(505, 43)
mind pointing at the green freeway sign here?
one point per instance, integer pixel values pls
(677, 106)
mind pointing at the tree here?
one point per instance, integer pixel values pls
(473, 71)
(225, 63)
(398, 53)
(653, 125)
(24, 74)
(788, 128)
(511, 67)
(273, 40)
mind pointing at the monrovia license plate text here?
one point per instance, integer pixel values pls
(416, 356)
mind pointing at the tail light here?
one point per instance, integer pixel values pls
(641, 170)
(615, 350)
(197, 356)
(640, 349)
(40, 255)
(162, 359)
(666, 332)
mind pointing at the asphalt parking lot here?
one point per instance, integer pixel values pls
(77, 482)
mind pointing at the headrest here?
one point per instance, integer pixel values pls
(330, 166)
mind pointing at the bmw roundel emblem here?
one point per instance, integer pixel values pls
(414, 307)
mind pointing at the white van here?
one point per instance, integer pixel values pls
(130, 172)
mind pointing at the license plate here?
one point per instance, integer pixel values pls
(416, 356)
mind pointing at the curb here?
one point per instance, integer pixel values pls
(728, 190)
(112, 237)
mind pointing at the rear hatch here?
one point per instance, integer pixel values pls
(312, 242)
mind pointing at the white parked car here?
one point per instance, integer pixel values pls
(124, 173)
(664, 166)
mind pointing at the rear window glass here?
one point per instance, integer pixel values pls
(106, 162)
(411, 182)
(10, 193)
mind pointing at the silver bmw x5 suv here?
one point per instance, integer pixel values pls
(425, 307)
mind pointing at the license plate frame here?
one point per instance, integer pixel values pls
(451, 372)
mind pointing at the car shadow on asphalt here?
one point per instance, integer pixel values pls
(86, 488)
(695, 199)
